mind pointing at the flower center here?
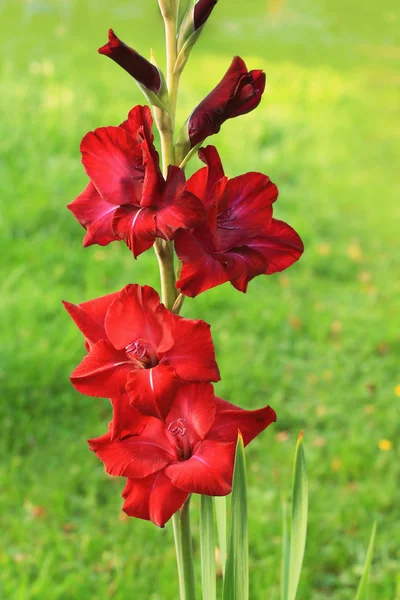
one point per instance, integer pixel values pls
(177, 429)
(142, 354)
(225, 220)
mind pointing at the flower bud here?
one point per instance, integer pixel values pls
(191, 27)
(202, 10)
(136, 65)
(238, 93)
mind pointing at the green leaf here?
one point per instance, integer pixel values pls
(236, 583)
(298, 531)
(220, 512)
(363, 587)
(207, 548)
(285, 552)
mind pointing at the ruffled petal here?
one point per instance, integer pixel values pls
(280, 245)
(113, 161)
(203, 181)
(135, 456)
(178, 209)
(136, 226)
(153, 498)
(126, 420)
(136, 313)
(89, 316)
(244, 209)
(195, 408)
(192, 355)
(208, 471)
(103, 372)
(153, 184)
(242, 265)
(95, 215)
(139, 119)
(200, 270)
(230, 419)
(151, 391)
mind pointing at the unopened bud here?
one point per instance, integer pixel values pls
(147, 75)
(192, 25)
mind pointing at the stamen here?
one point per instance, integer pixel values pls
(137, 348)
(224, 218)
(177, 427)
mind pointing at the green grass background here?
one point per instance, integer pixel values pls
(318, 342)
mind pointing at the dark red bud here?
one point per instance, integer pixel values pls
(238, 93)
(202, 11)
(133, 63)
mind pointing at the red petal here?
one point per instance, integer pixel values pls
(151, 391)
(242, 265)
(244, 209)
(153, 184)
(126, 421)
(200, 270)
(280, 245)
(177, 209)
(113, 161)
(230, 419)
(153, 498)
(202, 183)
(192, 355)
(135, 456)
(194, 404)
(136, 313)
(103, 372)
(139, 117)
(136, 226)
(95, 215)
(208, 471)
(89, 316)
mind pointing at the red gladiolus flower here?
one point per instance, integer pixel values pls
(191, 452)
(136, 65)
(238, 93)
(138, 346)
(238, 239)
(128, 197)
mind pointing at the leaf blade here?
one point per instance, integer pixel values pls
(220, 513)
(298, 531)
(236, 583)
(285, 552)
(207, 548)
(363, 585)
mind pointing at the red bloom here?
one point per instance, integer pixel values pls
(238, 239)
(238, 93)
(191, 452)
(128, 197)
(137, 345)
(133, 63)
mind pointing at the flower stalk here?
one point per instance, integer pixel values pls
(184, 552)
(165, 256)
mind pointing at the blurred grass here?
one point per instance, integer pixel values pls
(319, 342)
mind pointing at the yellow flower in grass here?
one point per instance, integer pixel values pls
(385, 445)
(397, 390)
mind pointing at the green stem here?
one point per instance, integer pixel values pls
(172, 77)
(184, 552)
(165, 259)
